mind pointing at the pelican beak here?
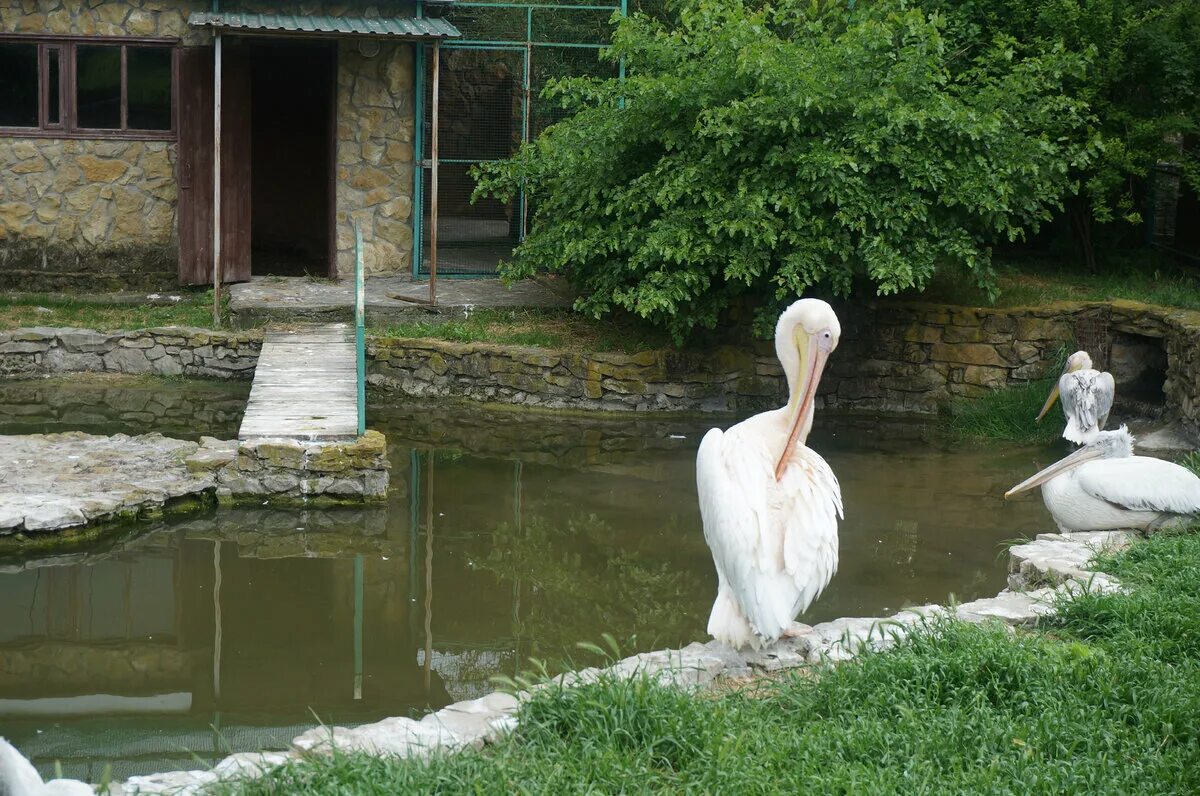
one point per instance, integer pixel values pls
(1081, 456)
(812, 365)
(1049, 402)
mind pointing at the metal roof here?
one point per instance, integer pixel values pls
(401, 27)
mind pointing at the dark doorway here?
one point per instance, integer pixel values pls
(291, 158)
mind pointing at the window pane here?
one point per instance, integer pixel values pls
(52, 81)
(18, 85)
(148, 76)
(98, 82)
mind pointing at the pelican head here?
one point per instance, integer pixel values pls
(805, 336)
(1116, 444)
(1080, 360)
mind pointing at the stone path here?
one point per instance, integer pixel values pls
(1042, 571)
(297, 298)
(54, 481)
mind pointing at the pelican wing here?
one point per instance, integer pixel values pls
(1087, 398)
(774, 543)
(1142, 483)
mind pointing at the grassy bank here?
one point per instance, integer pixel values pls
(1006, 415)
(548, 328)
(108, 314)
(1030, 282)
(1105, 698)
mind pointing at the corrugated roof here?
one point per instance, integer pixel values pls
(402, 27)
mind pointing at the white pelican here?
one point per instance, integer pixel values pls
(1103, 486)
(770, 505)
(1087, 397)
(19, 778)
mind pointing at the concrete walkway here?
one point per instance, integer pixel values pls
(274, 298)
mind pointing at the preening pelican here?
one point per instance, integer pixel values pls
(1103, 486)
(1087, 397)
(19, 778)
(770, 505)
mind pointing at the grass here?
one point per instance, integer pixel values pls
(1106, 699)
(1032, 282)
(546, 328)
(193, 309)
(1006, 415)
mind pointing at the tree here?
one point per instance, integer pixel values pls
(1142, 84)
(756, 153)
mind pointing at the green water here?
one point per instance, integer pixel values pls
(505, 536)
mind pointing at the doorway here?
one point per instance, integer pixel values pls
(291, 154)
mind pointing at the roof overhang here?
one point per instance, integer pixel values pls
(326, 26)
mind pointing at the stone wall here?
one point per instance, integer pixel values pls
(727, 379)
(93, 214)
(293, 471)
(104, 18)
(167, 351)
(375, 157)
(892, 357)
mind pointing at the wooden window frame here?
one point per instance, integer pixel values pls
(67, 125)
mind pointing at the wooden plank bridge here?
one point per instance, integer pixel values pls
(305, 386)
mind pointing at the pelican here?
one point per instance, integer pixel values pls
(1103, 486)
(19, 778)
(1087, 397)
(769, 504)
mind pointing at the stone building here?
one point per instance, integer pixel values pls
(107, 119)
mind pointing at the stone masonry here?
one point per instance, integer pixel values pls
(95, 213)
(375, 158)
(892, 357)
(53, 482)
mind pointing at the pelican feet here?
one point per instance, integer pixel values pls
(795, 630)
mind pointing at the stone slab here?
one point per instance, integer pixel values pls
(54, 481)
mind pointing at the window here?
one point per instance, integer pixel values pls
(86, 88)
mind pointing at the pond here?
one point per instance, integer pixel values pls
(506, 536)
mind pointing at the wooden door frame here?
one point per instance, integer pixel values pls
(333, 148)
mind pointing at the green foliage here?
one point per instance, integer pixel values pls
(1140, 83)
(757, 153)
(1108, 703)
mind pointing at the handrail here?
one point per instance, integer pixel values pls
(360, 332)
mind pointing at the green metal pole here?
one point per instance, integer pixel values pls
(358, 626)
(621, 63)
(360, 332)
(418, 203)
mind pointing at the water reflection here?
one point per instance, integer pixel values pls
(503, 538)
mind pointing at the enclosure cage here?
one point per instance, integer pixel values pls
(490, 103)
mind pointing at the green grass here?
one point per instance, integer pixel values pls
(1036, 282)
(194, 309)
(1105, 700)
(1006, 415)
(546, 328)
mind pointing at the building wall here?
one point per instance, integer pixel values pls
(90, 213)
(375, 157)
(101, 214)
(82, 213)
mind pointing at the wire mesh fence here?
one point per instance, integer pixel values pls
(490, 102)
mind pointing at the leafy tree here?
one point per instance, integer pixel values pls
(1142, 83)
(755, 153)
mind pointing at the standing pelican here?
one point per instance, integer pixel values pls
(1087, 397)
(770, 505)
(1103, 486)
